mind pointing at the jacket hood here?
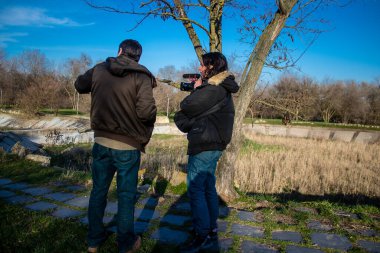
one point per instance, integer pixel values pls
(226, 80)
(122, 66)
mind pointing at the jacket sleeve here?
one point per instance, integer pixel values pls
(183, 123)
(201, 100)
(145, 104)
(83, 84)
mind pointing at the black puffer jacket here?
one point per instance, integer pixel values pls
(213, 131)
(122, 103)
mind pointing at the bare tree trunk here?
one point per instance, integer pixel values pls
(190, 30)
(226, 166)
(215, 17)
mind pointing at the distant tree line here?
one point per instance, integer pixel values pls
(30, 82)
(329, 101)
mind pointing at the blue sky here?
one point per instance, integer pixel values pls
(65, 29)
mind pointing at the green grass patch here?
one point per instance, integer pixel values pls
(163, 136)
(61, 112)
(27, 231)
(312, 124)
(11, 166)
(178, 189)
(251, 146)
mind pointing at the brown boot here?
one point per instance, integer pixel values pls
(136, 246)
(92, 249)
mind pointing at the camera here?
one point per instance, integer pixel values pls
(189, 86)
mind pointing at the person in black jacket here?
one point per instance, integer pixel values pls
(207, 116)
(123, 113)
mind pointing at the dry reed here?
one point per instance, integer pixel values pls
(309, 166)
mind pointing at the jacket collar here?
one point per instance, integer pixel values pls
(218, 78)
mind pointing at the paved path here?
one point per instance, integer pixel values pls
(237, 227)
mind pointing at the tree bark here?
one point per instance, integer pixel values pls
(226, 166)
(215, 17)
(190, 30)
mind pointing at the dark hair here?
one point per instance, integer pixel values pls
(215, 63)
(131, 48)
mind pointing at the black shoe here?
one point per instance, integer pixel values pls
(211, 244)
(194, 246)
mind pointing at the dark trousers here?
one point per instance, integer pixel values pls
(107, 161)
(202, 192)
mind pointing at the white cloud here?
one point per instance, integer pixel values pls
(9, 37)
(24, 16)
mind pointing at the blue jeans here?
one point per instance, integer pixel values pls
(107, 161)
(202, 192)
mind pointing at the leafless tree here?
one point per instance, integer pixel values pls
(263, 25)
(294, 96)
(373, 96)
(75, 67)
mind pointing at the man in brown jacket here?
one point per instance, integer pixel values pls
(123, 113)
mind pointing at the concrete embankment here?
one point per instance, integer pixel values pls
(334, 134)
(70, 129)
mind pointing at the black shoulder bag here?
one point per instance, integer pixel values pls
(185, 124)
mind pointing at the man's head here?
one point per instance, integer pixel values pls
(130, 48)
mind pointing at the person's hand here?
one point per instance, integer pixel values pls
(198, 83)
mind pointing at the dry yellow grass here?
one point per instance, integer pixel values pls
(164, 155)
(310, 166)
(314, 167)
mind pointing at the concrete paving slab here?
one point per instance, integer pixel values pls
(224, 211)
(37, 191)
(319, 134)
(364, 232)
(20, 199)
(248, 216)
(258, 129)
(140, 227)
(347, 215)
(6, 194)
(170, 236)
(149, 202)
(372, 247)
(75, 188)
(298, 132)
(244, 230)
(65, 213)
(366, 137)
(345, 136)
(245, 215)
(298, 249)
(146, 214)
(249, 247)
(225, 244)
(183, 206)
(317, 225)
(178, 220)
(4, 181)
(79, 202)
(59, 196)
(111, 207)
(289, 236)
(41, 206)
(106, 220)
(333, 241)
(17, 186)
(222, 226)
(276, 130)
(304, 209)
